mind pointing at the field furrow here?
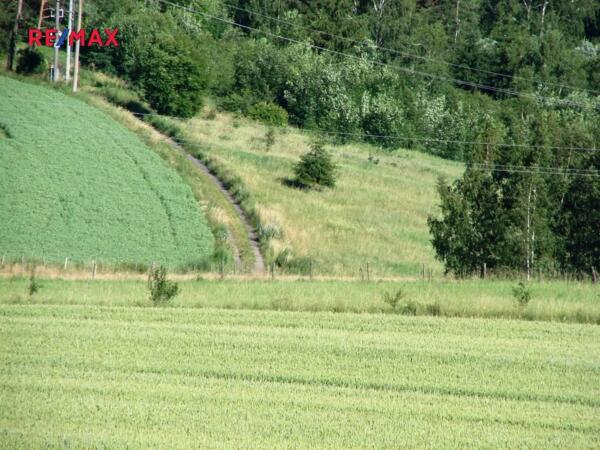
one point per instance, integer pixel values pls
(280, 379)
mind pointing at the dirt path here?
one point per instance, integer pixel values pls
(259, 263)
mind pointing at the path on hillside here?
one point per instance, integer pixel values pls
(259, 263)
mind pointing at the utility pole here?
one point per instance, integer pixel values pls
(70, 28)
(56, 69)
(12, 49)
(42, 4)
(76, 70)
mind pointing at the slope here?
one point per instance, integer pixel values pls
(74, 183)
(376, 215)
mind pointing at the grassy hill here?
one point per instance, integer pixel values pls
(75, 183)
(377, 214)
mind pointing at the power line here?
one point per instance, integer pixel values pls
(539, 170)
(405, 54)
(380, 63)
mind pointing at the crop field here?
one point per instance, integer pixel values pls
(117, 377)
(377, 213)
(75, 183)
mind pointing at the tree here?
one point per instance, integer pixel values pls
(582, 219)
(315, 168)
(470, 230)
(172, 83)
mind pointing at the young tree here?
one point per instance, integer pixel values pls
(315, 168)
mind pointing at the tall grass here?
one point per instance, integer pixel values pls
(550, 301)
(376, 214)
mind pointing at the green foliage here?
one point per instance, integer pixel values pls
(582, 220)
(155, 55)
(162, 291)
(315, 168)
(93, 199)
(172, 84)
(31, 61)
(270, 138)
(382, 117)
(394, 299)
(522, 294)
(269, 114)
(34, 285)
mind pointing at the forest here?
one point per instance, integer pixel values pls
(509, 87)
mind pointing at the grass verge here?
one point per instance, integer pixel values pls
(551, 301)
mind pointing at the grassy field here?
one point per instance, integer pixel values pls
(551, 301)
(75, 183)
(377, 214)
(106, 377)
(100, 91)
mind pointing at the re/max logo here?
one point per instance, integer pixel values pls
(53, 38)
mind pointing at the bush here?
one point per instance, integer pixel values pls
(161, 289)
(409, 308)
(236, 102)
(268, 113)
(382, 118)
(34, 285)
(522, 294)
(172, 83)
(315, 168)
(31, 61)
(270, 138)
(394, 299)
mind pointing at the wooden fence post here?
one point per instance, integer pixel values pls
(368, 274)
(94, 270)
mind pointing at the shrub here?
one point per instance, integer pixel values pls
(521, 294)
(409, 308)
(161, 289)
(238, 103)
(31, 61)
(34, 285)
(301, 265)
(434, 309)
(270, 138)
(394, 299)
(382, 118)
(172, 83)
(315, 168)
(268, 113)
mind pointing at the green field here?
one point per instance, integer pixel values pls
(376, 214)
(75, 183)
(108, 377)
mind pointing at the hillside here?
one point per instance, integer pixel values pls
(376, 214)
(75, 183)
